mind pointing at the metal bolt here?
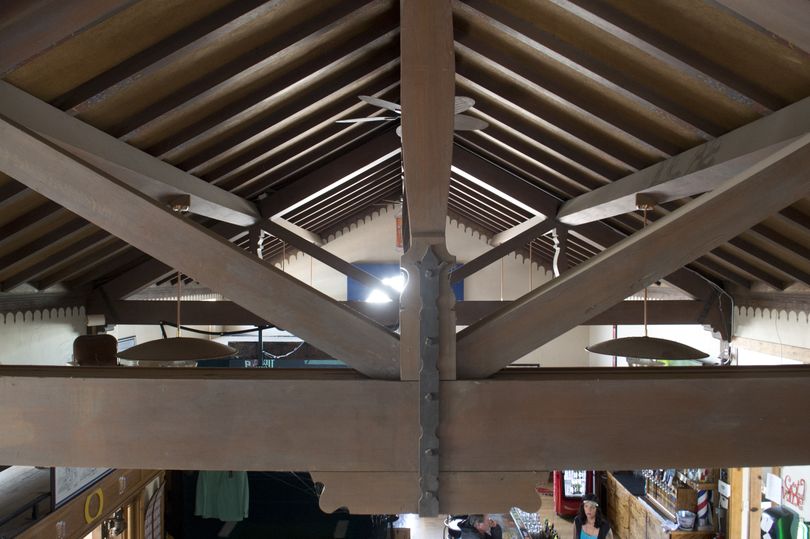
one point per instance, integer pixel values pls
(430, 452)
(429, 274)
(430, 396)
(431, 341)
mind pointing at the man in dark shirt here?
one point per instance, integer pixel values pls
(481, 527)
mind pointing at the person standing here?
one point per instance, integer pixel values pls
(481, 527)
(589, 522)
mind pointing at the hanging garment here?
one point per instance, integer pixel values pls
(222, 495)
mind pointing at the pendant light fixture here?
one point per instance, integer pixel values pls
(176, 350)
(650, 349)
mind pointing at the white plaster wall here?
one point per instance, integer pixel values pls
(40, 337)
(780, 327)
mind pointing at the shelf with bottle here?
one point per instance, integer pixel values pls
(669, 491)
(531, 527)
(699, 478)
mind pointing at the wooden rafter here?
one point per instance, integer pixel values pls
(145, 173)
(671, 242)
(44, 24)
(353, 163)
(788, 19)
(695, 171)
(195, 251)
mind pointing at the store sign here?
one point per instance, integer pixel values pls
(68, 482)
(795, 480)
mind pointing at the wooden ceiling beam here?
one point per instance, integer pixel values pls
(192, 249)
(699, 226)
(694, 171)
(44, 212)
(235, 127)
(504, 182)
(427, 112)
(140, 170)
(100, 255)
(561, 67)
(741, 264)
(263, 62)
(771, 260)
(69, 252)
(318, 418)
(227, 313)
(49, 242)
(194, 39)
(786, 19)
(349, 165)
(285, 129)
(31, 28)
(427, 74)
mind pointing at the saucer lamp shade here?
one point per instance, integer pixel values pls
(644, 347)
(177, 349)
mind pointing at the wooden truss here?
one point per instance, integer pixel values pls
(360, 433)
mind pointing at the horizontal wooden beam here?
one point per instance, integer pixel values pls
(618, 272)
(335, 422)
(200, 313)
(147, 174)
(665, 312)
(227, 313)
(197, 252)
(375, 493)
(694, 171)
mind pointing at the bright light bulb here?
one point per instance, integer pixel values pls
(377, 295)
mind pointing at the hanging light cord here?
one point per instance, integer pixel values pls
(179, 285)
(645, 288)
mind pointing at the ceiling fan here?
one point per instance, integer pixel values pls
(461, 122)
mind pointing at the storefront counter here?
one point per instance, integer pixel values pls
(633, 518)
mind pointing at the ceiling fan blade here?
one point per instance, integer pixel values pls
(369, 119)
(468, 123)
(382, 103)
(462, 104)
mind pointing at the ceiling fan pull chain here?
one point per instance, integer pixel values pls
(179, 285)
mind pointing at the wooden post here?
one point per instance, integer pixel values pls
(754, 503)
(428, 70)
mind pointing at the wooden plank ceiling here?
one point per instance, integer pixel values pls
(245, 95)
